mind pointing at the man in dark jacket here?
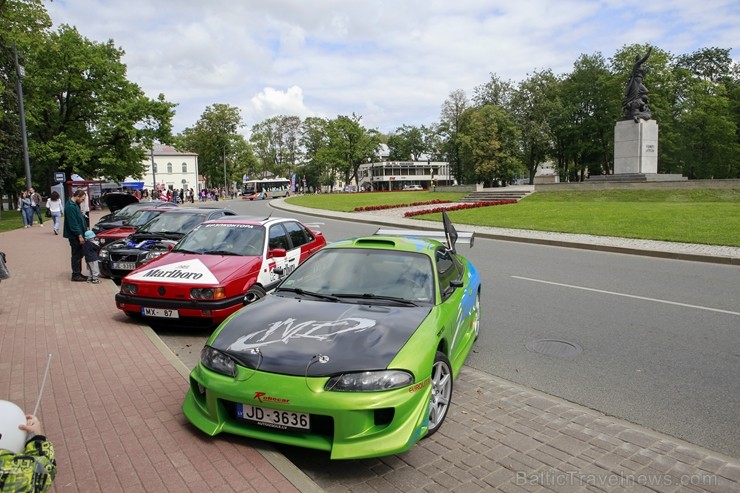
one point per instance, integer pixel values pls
(74, 231)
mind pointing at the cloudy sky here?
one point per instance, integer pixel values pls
(393, 62)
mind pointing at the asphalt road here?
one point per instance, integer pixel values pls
(660, 338)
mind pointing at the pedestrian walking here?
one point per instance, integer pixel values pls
(24, 206)
(55, 206)
(90, 249)
(74, 231)
(27, 460)
(36, 206)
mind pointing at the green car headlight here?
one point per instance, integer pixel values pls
(217, 361)
(370, 381)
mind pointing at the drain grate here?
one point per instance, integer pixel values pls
(554, 347)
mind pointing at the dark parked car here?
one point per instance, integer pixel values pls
(115, 201)
(121, 216)
(153, 239)
(139, 218)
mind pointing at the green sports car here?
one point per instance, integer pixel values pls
(354, 353)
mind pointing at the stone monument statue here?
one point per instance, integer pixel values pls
(636, 135)
(635, 101)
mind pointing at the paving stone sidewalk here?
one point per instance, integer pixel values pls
(503, 437)
(111, 404)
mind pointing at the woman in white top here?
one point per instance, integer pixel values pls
(56, 207)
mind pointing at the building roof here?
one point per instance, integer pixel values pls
(167, 150)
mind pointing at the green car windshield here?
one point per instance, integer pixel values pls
(364, 273)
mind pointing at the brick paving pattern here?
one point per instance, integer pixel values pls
(111, 404)
(503, 437)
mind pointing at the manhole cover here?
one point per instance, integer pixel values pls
(554, 347)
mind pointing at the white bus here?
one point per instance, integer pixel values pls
(266, 188)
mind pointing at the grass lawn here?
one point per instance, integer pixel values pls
(708, 216)
(10, 220)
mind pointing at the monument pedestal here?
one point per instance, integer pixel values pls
(636, 147)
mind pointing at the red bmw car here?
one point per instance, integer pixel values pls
(217, 268)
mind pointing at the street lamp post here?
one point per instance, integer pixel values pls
(154, 171)
(20, 73)
(224, 169)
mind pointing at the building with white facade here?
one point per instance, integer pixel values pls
(394, 175)
(171, 169)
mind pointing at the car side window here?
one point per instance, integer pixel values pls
(278, 237)
(447, 269)
(297, 234)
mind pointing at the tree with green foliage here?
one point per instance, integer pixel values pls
(276, 142)
(350, 145)
(709, 127)
(406, 144)
(582, 113)
(709, 147)
(530, 105)
(314, 141)
(22, 23)
(496, 92)
(83, 115)
(215, 139)
(449, 128)
(490, 145)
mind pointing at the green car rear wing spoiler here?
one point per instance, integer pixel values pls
(449, 235)
(466, 238)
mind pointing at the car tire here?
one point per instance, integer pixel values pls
(441, 398)
(253, 294)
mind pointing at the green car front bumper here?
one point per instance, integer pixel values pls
(348, 425)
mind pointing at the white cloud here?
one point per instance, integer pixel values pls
(271, 102)
(393, 63)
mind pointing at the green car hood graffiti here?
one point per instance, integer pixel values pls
(287, 335)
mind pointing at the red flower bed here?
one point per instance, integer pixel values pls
(458, 207)
(396, 206)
